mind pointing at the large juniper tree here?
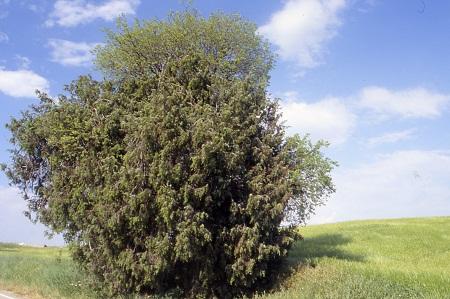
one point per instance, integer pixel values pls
(174, 172)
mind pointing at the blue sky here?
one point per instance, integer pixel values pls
(370, 76)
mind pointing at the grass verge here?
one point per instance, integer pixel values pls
(399, 258)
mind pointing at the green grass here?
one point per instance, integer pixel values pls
(401, 258)
(40, 273)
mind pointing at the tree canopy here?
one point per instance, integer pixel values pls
(174, 172)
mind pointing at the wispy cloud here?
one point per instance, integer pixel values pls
(15, 226)
(3, 9)
(74, 12)
(328, 119)
(334, 118)
(391, 137)
(37, 6)
(70, 53)
(401, 184)
(22, 83)
(409, 103)
(24, 62)
(302, 28)
(4, 38)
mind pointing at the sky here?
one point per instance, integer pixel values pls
(369, 76)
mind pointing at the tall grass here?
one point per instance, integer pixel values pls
(41, 273)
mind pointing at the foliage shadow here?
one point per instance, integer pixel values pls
(307, 252)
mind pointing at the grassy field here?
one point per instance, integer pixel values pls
(402, 258)
(40, 273)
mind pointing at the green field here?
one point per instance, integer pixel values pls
(401, 258)
(40, 273)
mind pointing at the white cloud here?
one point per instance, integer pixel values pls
(70, 53)
(401, 184)
(4, 38)
(302, 28)
(410, 103)
(334, 119)
(391, 137)
(22, 83)
(70, 13)
(328, 119)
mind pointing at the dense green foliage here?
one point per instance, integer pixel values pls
(359, 259)
(174, 173)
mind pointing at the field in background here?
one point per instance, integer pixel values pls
(401, 258)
